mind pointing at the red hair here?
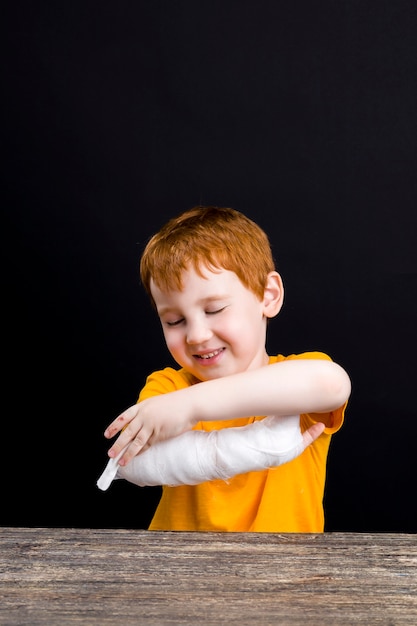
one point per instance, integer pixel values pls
(211, 237)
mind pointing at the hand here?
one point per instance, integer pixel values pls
(143, 424)
(313, 433)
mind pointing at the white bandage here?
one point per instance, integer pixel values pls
(198, 456)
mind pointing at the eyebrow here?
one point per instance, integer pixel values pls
(215, 298)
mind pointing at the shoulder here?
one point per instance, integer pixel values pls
(303, 355)
(333, 420)
(165, 381)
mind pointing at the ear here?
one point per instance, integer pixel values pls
(273, 295)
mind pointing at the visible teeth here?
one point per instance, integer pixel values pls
(209, 355)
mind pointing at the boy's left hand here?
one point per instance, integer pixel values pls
(154, 419)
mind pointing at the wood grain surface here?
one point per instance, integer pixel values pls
(117, 576)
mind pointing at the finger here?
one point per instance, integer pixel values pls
(121, 422)
(130, 452)
(134, 439)
(313, 433)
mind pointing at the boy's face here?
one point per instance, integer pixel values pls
(215, 326)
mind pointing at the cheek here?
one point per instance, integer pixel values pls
(173, 341)
(238, 329)
(246, 333)
(250, 318)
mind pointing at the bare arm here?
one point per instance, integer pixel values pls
(280, 389)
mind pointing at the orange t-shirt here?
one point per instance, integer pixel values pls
(288, 498)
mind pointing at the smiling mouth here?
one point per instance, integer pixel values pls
(209, 355)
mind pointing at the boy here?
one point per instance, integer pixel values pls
(211, 277)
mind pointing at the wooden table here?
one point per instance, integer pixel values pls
(59, 576)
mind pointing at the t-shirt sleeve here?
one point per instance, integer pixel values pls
(164, 381)
(333, 420)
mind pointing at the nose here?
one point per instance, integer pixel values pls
(198, 331)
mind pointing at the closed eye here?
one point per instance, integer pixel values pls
(175, 323)
(181, 320)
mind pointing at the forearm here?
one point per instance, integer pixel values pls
(286, 388)
(279, 389)
(198, 456)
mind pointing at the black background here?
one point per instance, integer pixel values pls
(118, 115)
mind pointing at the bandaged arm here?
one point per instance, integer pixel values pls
(198, 456)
